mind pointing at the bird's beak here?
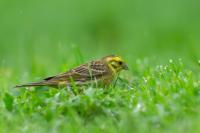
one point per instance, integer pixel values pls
(125, 67)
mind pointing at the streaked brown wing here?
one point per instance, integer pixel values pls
(91, 70)
(83, 73)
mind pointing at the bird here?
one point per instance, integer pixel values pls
(100, 72)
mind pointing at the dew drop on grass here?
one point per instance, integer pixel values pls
(139, 108)
(170, 61)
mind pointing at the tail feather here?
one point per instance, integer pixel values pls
(32, 84)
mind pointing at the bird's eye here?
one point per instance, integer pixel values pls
(120, 63)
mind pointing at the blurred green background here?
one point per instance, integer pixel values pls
(45, 31)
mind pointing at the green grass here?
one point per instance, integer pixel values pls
(159, 40)
(158, 98)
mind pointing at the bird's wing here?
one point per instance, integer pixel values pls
(87, 72)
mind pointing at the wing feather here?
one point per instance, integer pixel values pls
(83, 73)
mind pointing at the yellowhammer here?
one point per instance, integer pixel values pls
(100, 72)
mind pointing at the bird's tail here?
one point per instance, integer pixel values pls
(42, 83)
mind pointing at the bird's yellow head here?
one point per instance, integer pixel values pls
(115, 63)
